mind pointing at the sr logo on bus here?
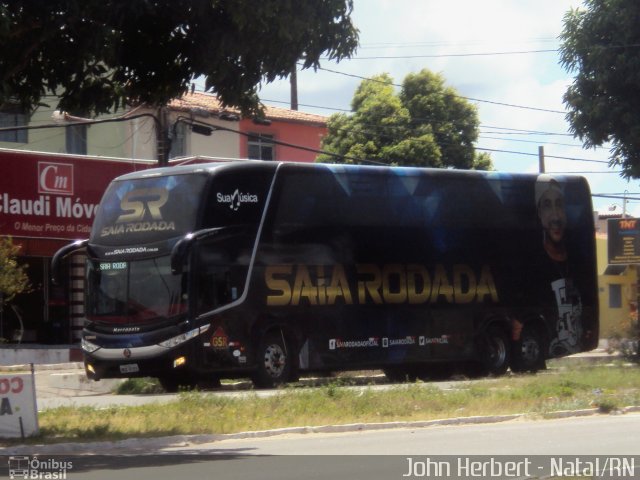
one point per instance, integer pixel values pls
(141, 200)
(142, 213)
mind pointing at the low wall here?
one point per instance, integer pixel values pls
(39, 354)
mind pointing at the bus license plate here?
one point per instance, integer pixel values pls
(129, 368)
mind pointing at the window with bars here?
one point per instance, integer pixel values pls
(261, 147)
(11, 116)
(615, 296)
(76, 139)
(179, 141)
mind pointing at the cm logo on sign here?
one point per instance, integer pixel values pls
(55, 178)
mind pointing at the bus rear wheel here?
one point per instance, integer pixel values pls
(274, 361)
(528, 352)
(494, 351)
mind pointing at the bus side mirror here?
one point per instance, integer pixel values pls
(180, 252)
(58, 259)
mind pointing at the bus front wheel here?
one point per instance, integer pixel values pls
(274, 361)
(172, 383)
(494, 350)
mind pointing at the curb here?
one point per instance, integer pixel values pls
(135, 445)
(42, 367)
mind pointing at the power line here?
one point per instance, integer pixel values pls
(123, 118)
(192, 122)
(301, 147)
(360, 160)
(519, 140)
(482, 41)
(507, 130)
(617, 196)
(585, 172)
(519, 131)
(374, 130)
(448, 55)
(558, 157)
(467, 54)
(471, 99)
(619, 193)
(323, 107)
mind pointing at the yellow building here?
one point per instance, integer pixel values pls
(618, 289)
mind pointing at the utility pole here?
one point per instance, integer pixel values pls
(294, 88)
(162, 137)
(541, 159)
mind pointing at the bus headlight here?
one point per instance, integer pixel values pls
(183, 337)
(88, 347)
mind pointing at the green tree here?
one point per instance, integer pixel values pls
(427, 124)
(102, 55)
(600, 44)
(13, 276)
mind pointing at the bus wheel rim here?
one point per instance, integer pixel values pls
(498, 352)
(274, 360)
(530, 350)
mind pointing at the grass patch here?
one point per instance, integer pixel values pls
(139, 386)
(607, 388)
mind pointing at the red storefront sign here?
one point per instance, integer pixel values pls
(54, 196)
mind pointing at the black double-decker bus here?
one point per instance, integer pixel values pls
(267, 270)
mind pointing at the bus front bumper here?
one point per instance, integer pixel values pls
(152, 360)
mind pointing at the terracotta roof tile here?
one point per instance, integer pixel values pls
(210, 104)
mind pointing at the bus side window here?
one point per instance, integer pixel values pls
(212, 275)
(220, 273)
(206, 294)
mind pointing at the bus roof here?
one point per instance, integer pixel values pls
(211, 168)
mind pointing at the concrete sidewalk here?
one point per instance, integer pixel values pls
(63, 380)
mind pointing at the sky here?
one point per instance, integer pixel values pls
(472, 44)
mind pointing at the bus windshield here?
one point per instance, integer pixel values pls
(134, 292)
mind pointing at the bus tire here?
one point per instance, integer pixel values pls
(528, 352)
(209, 383)
(172, 383)
(400, 374)
(274, 361)
(495, 352)
(435, 372)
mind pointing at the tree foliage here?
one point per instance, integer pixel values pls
(13, 276)
(601, 45)
(426, 124)
(101, 55)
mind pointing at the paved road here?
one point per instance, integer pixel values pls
(593, 435)
(373, 455)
